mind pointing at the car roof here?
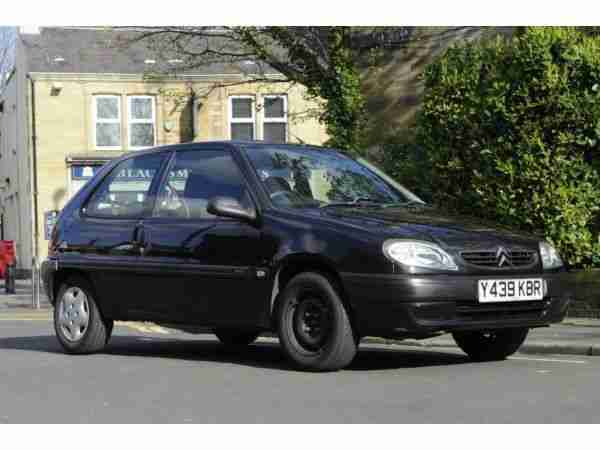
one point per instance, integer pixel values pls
(208, 145)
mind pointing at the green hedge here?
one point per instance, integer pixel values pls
(402, 158)
(510, 129)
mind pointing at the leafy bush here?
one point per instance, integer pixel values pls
(511, 129)
(403, 159)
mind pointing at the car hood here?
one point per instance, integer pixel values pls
(428, 223)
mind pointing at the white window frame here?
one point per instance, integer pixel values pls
(97, 120)
(283, 119)
(131, 120)
(251, 120)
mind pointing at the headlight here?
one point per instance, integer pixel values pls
(418, 254)
(550, 257)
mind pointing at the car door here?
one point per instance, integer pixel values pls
(105, 243)
(202, 268)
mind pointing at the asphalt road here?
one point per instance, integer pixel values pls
(156, 377)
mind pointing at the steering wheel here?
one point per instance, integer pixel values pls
(278, 194)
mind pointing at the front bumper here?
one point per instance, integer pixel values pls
(415, 304)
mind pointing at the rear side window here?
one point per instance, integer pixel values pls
(194, 178)
(124, 193)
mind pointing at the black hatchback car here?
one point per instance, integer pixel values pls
(247, 237)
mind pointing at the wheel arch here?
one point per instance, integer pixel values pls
(295, 264)
(62, 275)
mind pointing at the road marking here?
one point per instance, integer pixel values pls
(144, 327)
(570, 361)
(158, 329)
(44, 317)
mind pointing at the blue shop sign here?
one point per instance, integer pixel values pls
(83, 172)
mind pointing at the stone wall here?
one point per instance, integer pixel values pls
(587, 294)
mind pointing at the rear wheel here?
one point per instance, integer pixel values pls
(313, 325)
(79, 326)
(490, 345)
(237, 338)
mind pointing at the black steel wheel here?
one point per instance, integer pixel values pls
(313, 324)
(491, 345)
(312, 321)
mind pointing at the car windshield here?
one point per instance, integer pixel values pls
(300, 177)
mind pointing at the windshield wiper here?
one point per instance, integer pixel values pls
(405, 204)
(357, 202)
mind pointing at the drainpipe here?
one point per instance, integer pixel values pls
(36, 252)
(194, 103)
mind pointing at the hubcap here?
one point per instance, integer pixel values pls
(312, 323)
(74, 314)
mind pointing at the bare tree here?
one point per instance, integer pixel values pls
(326, 60)
(7, 52)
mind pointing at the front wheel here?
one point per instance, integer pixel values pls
(313, 325)
(79, 326)
(493, 345)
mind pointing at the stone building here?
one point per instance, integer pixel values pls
(74, 100)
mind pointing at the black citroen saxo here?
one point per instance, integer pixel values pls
(242, 238)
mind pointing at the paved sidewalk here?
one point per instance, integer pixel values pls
(571, 337)
(22, 299)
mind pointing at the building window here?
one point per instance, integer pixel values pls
(275, 119)
(107, 122)
(242, 117)
(142, 119)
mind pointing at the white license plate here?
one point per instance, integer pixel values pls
(518, 289)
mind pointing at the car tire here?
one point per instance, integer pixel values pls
(236, 338)
(493, 345)
(79, 326)
(313, 324)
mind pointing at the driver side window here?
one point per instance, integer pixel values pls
(194, 178)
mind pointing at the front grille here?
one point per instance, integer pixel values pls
(490, 258)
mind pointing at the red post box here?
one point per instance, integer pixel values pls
(7, 256)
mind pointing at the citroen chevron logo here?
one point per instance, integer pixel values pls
(502, 257)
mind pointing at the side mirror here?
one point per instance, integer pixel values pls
(230, 207)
